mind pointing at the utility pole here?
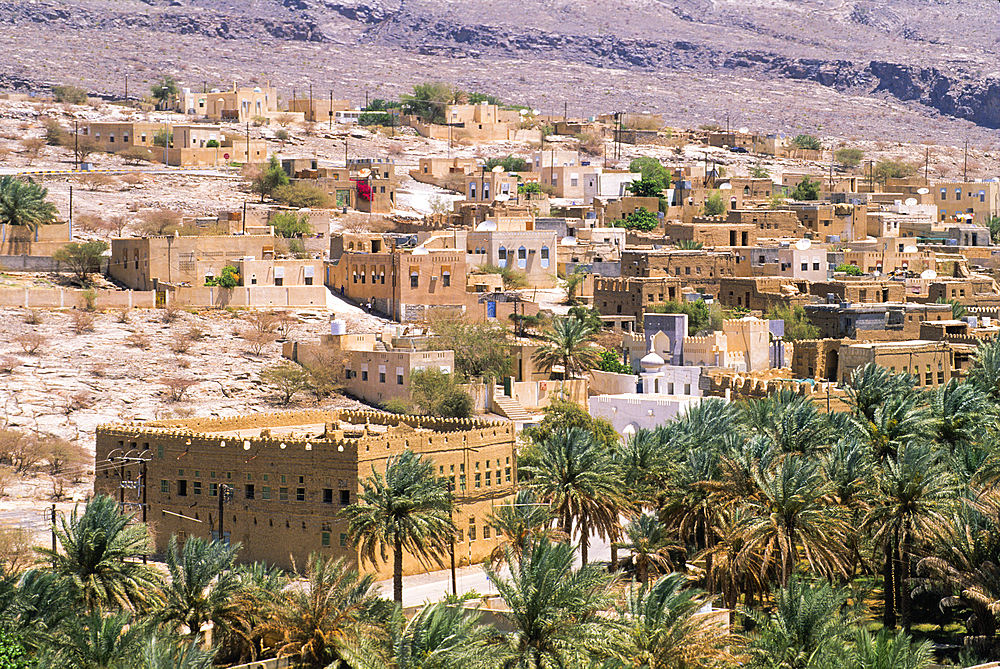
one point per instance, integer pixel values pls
(311, 109)
(331, 110)
(966, 160)
(927, 163)
(222, 488)
(76, 144)
(142, 484)
(126, 89)
(71, 212)
(565, 112)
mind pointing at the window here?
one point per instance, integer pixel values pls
(486, 531)
(345, 497)
(265, 492)
(381, 377)
(472, 529)
(815, 265)
(165, 487)
(507, 474)
(182, 488)
(399, 379)
(248, 491)
(479, 482)
(213, 489)
(328, 495)
(414, 279)
(958, 193)
(197, 487)
(944, 193)
(326, 539)
(522, 257)
(364, 374)
(159, 451)
(445, 279)
(488, 482)
(343, 538)
(300, 494)
(283, 494)
(805, 267)
(545, 256)
(461, 482)
(502, 253)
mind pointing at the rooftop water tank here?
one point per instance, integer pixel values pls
(338, 327)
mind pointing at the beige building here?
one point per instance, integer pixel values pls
(928, 362)
(241, 104)
(742, 344)
(290, 475)
(977, 202)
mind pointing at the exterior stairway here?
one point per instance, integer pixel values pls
(509, 408)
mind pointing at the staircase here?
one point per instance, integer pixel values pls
(508, 407)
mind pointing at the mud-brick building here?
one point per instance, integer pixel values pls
(292, 473)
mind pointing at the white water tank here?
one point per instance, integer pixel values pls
(338, 327)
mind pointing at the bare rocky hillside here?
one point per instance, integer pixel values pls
(847, 66)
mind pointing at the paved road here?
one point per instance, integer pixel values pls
(434, 585)
(205, 172)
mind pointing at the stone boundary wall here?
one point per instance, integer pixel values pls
(67, 298)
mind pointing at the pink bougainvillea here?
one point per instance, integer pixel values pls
(364, 191)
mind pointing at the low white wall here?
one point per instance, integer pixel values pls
(610, 383)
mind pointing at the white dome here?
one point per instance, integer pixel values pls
(652, 361)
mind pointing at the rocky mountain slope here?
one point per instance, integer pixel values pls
(937, 56)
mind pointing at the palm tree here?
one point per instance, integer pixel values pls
(440, 636)
(568, 343)
(886, 650)
(261, 585)
(732, 570)
(985, 371)
(897, 420)
(33, 605)
(794, 515)
(871, 385)
(791, 422)
(915, 495)
(166, 653)
(808, 628)
(23, 203)
(687, 505)
(555, 612)
(522, 520)
(962, 414)
(667, 633)
(204, 588)
(848, 468)
(649, 544)
(581, 483)
(409, 509)
(332, 616)
(644, 460)
(96, 640)
(99, 557)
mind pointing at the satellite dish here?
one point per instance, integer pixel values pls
(909, 249)
(567, 241)
(910, 201)
(803, 244)
(420, 251)
(523, 112)
(726, 187)
(928, 274)
(535, 112)
(487, 226)
(923, 191)
(499, 168)
(365, 173)
(744, 130)
(876, 273)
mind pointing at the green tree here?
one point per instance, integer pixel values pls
(437, 393)
(994, 226)
(689, 245)
(482, 349)
(331, 618)
(759, 172)
(555, 612)
(512, 278)
(99, 557)
(797, 324)
(667, 632)
(699, 315)
(70, 94)
(229, 277)
(652, 171)
(645, 188)
(849, 157)
(287, 224)
(55, 135)
(643, 220)
(958, 309)
(807, 190)
(561, 415)
(162, 138)
(809, 627)
(23, 203)
(509, 163)
(886, 650)
(268, 180)
(533, 188)
(893, 169)
(204, 588)
(82, 259)
(581, 483)
(407, 509)
(286, 378)
(165, 92)
(166, 653)
(301, 196)
(13, 654)
(568, 343)
(807, 142)
(851, 270)
(611, 361)
(428, 100)
(714, 205)
(572, 283)
(985, 371)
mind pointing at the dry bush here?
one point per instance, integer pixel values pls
(326, 373)
(58, 487)
(181, 343)
(286, 322)
(118, 224)
(30, 341)
(8, 364)
(65, 458)
(99, 370)
(183, 363)
(284, 120)
(33, 317)
(95, 181)
(177, 386)
(17, 546)
(6, 476)
(78, 402)
(196, 333)
(263, 321)
(590, 144)
(21, 451)
(257, 341)
(170, 314)
(132, 179)
(82, 321)
(138, 340)
(96, 224)
(160, 222)
(310, 128)
(124, 315)
(4, 152)
(642, 122)
(32, 148)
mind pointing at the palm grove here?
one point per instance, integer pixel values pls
(845, 539)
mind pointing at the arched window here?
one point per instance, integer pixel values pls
(746, 191)
(522, 257)
(350, 247)
(414, 279)
(502, 254)
(545, 256)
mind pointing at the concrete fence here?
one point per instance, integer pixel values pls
(68, 298)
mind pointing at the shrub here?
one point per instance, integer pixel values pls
(212, 144)
(33, 317)
(70, 94)
(397, 406)
(138, 340)
(806, 190)
(807, 142)
(509, 164)
(714, 205)
(82, 321)
(286, 379)
(853, 270)
(177, 386)
(611, 362)
(54, 133)
(287, 224)
(849, 157)
(30, 341)
(8, 364)
(797, 324)
(134, 155)
(302, 196)
(643, 220)
(82, 260)
(257, 341)
(162, 138)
